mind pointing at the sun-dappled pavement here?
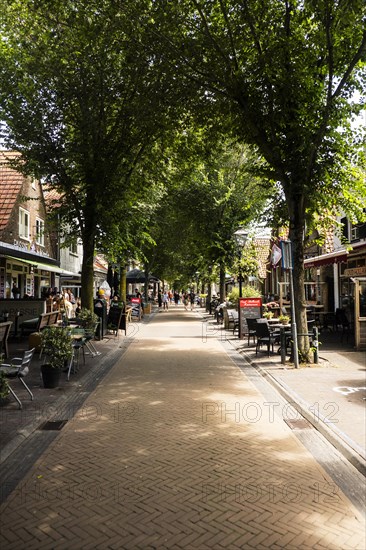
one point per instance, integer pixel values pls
(177, 448)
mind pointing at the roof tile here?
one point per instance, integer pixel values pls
(11, 183)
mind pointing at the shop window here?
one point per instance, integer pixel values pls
(23, 223)
(40, 232)
(362, 312)
(308, 275)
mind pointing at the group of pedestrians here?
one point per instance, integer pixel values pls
(169, 297)
(63, 301)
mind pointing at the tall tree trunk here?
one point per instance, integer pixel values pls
(146, 288)
(222, 283)
(123, 283)
(209, 294)
(87, 270)
(296, 236)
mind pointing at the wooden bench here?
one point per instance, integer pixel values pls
(36, 325)
(233, 319)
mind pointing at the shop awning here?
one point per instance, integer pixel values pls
(45, 267)
(327, 259)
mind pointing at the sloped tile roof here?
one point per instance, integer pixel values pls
(262, 246)
(100, 264)
(11, 183)
(51, 196)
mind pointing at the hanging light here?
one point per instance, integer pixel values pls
(241, 237)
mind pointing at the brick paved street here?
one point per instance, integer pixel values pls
(177, 449)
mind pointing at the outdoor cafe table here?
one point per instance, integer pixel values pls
(283, 331)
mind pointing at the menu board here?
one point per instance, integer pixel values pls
(248, 308)
(136, 307)
(116, 318)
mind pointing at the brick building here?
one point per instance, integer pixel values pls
(28, 251)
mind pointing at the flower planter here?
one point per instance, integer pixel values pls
(4, 401)
(50, 376)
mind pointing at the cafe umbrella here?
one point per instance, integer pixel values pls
(138, 276)
(110, 275)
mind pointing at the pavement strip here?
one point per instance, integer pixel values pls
(334, 455)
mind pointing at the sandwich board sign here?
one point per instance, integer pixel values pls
(136, 307)
(248, 308)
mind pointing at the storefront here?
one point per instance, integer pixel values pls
(353, 297)
(338, 281)
(30, 277)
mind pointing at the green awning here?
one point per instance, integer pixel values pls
(45, 267)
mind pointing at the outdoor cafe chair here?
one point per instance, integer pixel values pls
(18, 368)
(252, 329)
(89, 337)
(4, 334)
(265, 336)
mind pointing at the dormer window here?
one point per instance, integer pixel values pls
(23, 224)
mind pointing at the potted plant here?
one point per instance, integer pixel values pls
(4, 388)
(87, 319)
(268, 314)
(57, 348)
(284, 319)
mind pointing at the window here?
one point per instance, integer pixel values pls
(73, 248)
(354, 233)
(345, 228)
(23, 224)
(40, 232)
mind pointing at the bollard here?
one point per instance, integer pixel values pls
(283, 345)
(316, 345)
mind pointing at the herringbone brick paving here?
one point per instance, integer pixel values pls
(178, 451)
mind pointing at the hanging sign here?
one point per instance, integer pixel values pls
(276, 255)
(286, 250)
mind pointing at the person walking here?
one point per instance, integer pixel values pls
(192, 298)
(166, 301)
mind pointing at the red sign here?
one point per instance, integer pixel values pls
(135, 300)
(250, 302)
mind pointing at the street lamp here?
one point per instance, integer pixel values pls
(241, 237)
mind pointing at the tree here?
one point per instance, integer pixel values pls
(284, 73)
(211, 192)
(83, 103)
